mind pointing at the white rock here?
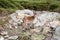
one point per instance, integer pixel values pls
(55, 23)
(17, 18)
(1, 38)
(13, 16)
(43, 18)
(6, 36)
(13, 37)
(46, 30)
(9, 26)
(28, 12)
(57, 33)
(4, 33)
(25, 11)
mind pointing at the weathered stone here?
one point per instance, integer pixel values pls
(37, 31)
(54, 23)
(43, 18)
(12, 37)
(57, 33)
(25, 11)
(1, 38)
(46, 30)
(4, 33)
(1, 28)
(37, 37)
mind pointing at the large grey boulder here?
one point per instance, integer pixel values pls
(57, 34)
(45, 17)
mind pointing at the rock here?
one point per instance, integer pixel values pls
(4, 33)
(9, 26)
(45, 17)
(5, 39)
(37, 31)
(46, 30)
(1, 28)
(54, 23)
(57, 33)
(1, 38)
(40, 20)
(13, 16)
(17, 17)
(6, 36)
(13, 37)
(38, 37)
(54, 39)
(25, 11)
(47, 38)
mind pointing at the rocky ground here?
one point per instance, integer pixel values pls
(46, 26)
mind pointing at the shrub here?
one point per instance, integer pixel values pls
(35, 5)
(53, 6)
(3, 12)
(57, 9)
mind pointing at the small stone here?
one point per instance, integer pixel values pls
(4, 33)
(35, 31)
(6, 36)
(46, 30)
(1, 28)
(1, 38)
(13, 37)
